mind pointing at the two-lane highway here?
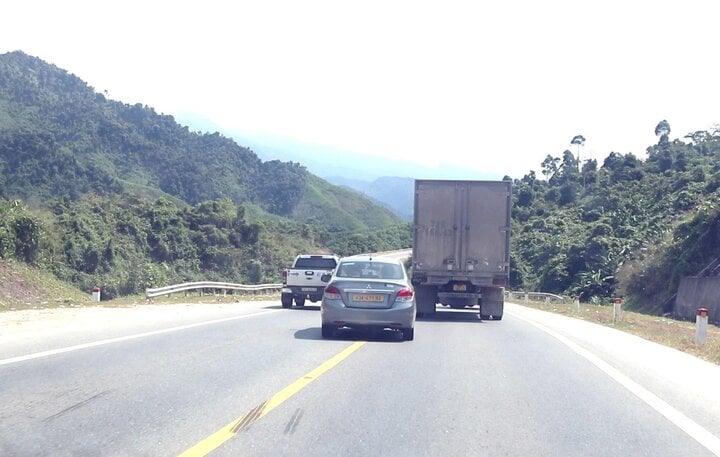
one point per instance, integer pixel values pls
(254, 379)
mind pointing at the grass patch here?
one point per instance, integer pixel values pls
(25, 287)
(193, 297)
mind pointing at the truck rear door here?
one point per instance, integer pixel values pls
(435, 239)
(486, 227)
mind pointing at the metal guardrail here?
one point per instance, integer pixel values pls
(224, 286)
(539, 296)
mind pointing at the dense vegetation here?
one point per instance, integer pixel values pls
(107, 194)
(629, 227)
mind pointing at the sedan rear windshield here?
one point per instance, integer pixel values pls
(315, 262)
(370, 270)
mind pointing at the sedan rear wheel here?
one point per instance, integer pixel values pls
(327, 331)
(408, 334)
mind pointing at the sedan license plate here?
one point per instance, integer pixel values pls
(459, 287)
(308, 289)
(368, 297)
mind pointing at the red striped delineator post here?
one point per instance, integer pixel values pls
(701, 324)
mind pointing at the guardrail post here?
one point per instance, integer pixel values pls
(547, 300)
(527, 297)
(617, 309)
(576, 302)
(701, 325)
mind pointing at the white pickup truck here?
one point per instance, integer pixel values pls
(302, 280)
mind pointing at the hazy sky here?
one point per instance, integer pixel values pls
(494, 85)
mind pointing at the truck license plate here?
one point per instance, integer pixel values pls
(308, 289)
(459, 287)
(367, 297)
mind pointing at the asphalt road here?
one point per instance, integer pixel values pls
(255, 379)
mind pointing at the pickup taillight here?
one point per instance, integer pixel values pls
(284, 277)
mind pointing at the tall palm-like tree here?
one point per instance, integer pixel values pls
(578, 140)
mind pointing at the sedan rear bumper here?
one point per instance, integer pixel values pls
(400, 315)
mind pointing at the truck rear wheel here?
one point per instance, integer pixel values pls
(300, 300)
(286, 300)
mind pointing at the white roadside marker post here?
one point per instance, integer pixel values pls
(701, 325)
(617, 310)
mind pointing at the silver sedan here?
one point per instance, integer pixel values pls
(368, 293)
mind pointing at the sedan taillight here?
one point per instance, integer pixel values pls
(404, 295)
(332, 293)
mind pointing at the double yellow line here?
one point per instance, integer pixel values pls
(215, 440)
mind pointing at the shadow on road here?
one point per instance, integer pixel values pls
(345, 334)
(296, 308)
(452, 315)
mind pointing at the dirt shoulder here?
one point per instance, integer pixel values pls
(24, 287)
(15, 287)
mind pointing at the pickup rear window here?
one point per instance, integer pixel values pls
(315, 262)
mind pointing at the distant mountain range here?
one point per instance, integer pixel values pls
(388, 181)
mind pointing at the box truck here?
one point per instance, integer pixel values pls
(461, 245)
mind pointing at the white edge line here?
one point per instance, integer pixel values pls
(76, 347)
(692, 428)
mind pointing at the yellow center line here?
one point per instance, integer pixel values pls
(215, 440)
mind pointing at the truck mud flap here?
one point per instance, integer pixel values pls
(425, 300)
(492, 303)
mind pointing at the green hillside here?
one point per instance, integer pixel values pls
(58, 137)
(101, 193)
(627, 227)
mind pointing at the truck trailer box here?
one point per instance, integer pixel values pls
(461, 244)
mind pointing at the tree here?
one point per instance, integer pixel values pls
(550, 167)
(578, 140)
(569, 168)
(662, 130)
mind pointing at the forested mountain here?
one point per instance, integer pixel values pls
(58, 137)
(396, 193)
(107, 194)
(103, 193)
(628, 227)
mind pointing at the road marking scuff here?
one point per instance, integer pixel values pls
(215, 440)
